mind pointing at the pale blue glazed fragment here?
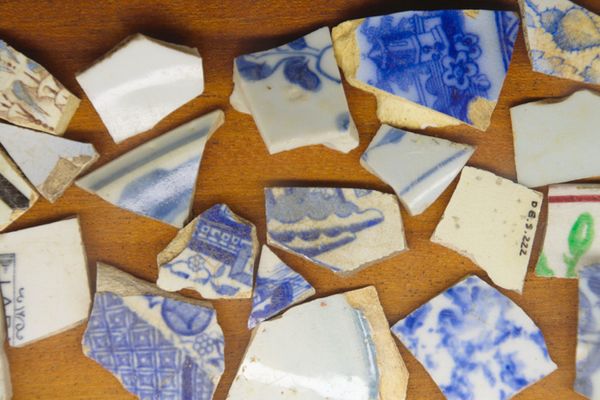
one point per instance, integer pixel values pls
(277, 287)
(476, 343)
(294, 93)
(338, 228)
(214, 255)
(587, 382)
(563, 39)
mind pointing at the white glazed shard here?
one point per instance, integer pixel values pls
(340, 229)
(476, 343)
(563, 39)
(570, 242)
(294, 93)
(158, 178)
(51, 163)
(214, 255)
(336, 348)
(492, 221)
(16, 195)
(556, 140)
(157, 344)
(418, 167)
(429, 68)
(277, 288)
(5, 382)
(140, 82)
(30, 96)
(44, 281)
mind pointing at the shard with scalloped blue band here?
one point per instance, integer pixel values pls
(563, 39)
(294, 93)
(341, 229)
(476, 343)
(158, 345)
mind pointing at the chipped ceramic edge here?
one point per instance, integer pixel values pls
(33, 196)
(59, 181)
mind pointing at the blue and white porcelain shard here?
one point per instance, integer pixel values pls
(158, 345)
(49, 162)
(430, 68)
(277, 288)
(587, 382)
(476, 343)
(563, 39)
(337, 348)
(158, 178)
(294, 93)
(140, 82)
(214, 255)
(340, 229)
(418, 167)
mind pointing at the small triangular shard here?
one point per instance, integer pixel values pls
(277, 288)
(418, 167)
(158, 178)
(51, 163)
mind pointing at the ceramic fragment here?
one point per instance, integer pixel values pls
(16, 195)
(294, 93)
(44, 281)
(337, 348)
(587, 382)
(158, 345)
(418, 167)
(51, 163)
(556, 140)
(429, 68)
(492, 221)
(476, 343)
(214, 255)
(141, 81)
(340, 229)
(277, 288)
(158, 178)
(5, 383)
(562, 38)
(30, 96)
(570, 241)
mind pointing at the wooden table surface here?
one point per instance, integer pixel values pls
(67, 36)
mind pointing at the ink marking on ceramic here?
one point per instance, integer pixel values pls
(13, 297)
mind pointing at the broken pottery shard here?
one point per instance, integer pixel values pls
(563, 39)
(336, 348)
(429, 68)
(556, 140)
(277, 288)
(214, 255)
(158, 178)
(340, 229)
(158, 345)
(44, 278)
(570, 241)
(294, 93)
(51, 163)
(587, 382)
(140, 82)
(30, 96)
(476, 343)
(16, 195)
(492, 221)
(5, 383)
(418, 167)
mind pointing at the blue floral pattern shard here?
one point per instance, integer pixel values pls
(218, 259)
(277, 288)
(445, 60)
(158, 348)
(563, 39)
(587, 382)
(476, 343)
(340, 229)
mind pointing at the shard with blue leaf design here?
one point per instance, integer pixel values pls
(158, 345)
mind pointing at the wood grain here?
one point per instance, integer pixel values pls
(67, 36)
